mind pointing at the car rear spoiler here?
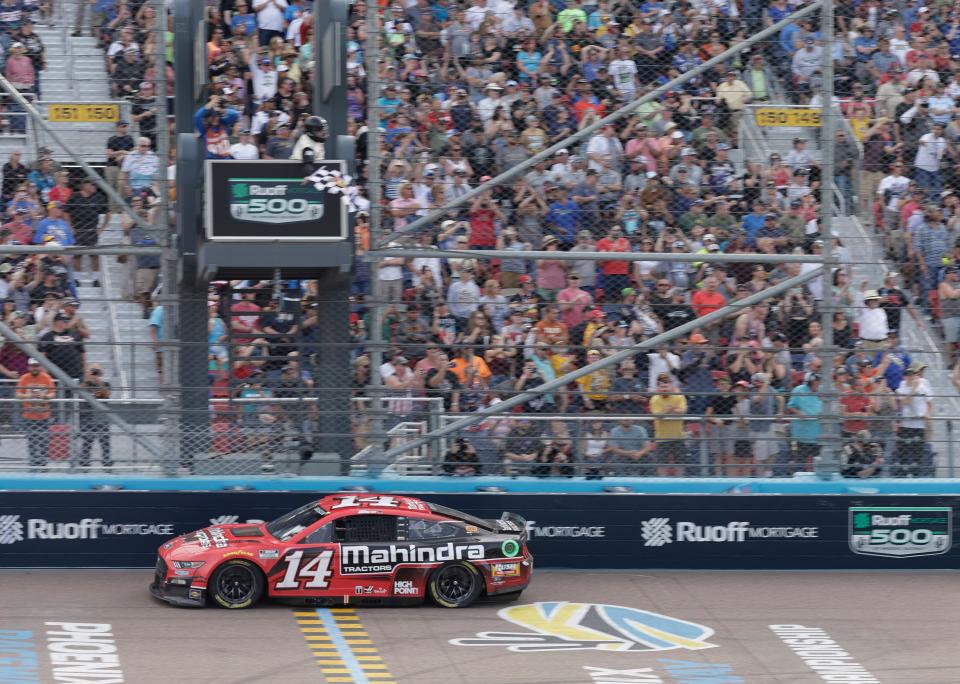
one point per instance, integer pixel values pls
(511, 522)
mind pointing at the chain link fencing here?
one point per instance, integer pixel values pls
(443, 99)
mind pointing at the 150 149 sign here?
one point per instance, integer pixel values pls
(901, 532)
(808, 117)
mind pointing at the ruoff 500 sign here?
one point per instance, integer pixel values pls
(901, 532)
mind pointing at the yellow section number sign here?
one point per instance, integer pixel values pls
(83, 113)
(788, 116)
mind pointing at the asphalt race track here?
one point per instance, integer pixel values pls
(96, 627)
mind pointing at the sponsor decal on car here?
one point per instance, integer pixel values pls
(218, 537)
(505, 569)
(13, 529)
(405, 588)
(660, 532)
(83, 651)
(901, 532)
(361, 558)
(231, 519)
(232, 554)
(202, 539)
(571, 531)
(268, 554)
(369, 590)
(823, 655)
(567, 626)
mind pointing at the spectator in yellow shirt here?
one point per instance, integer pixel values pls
(668, 432)
(595, 387)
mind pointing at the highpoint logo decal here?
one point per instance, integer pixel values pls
(568, 626)
(660, 532)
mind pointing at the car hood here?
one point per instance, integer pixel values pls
(219, 537)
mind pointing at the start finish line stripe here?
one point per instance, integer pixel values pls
(339, 661)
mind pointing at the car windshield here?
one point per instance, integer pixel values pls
(293, 523)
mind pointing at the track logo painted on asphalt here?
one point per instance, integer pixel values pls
(567, 626)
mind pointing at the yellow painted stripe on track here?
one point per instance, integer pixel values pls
(341, 645)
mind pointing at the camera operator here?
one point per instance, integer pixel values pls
(461, 459)
(863, 456)
(213, 122)
(551, 461)
(93, 424)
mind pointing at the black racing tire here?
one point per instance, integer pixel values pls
(455, 585)
(236, 584)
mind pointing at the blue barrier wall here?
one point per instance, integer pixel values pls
(579, 530)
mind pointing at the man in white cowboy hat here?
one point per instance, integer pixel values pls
(874, 326)
(493, 99)
(915, 400)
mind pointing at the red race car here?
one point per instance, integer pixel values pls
(349, 549)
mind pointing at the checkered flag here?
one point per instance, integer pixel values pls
(336, 183)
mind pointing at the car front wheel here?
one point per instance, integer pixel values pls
(236, 584)
(455, 585)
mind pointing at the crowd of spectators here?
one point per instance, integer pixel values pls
(470, 89)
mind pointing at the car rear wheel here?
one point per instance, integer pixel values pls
(455, 585)
(236, 584)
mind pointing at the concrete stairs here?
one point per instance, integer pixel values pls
(120, 335)
(75, 73)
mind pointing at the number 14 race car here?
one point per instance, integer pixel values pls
(349, 549)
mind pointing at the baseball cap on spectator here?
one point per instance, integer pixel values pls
(596, 313)
(492, 86)
(697, 338)
(524, 279)
(549, 240)
(915, 367)
(61, 318)
(560, 153)
(688, 152)
(32, 362)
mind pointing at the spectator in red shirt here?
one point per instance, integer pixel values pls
(707, 300)
(241, 323)
(484, 213)
(573, 302)
(615, 273)
(855, 406)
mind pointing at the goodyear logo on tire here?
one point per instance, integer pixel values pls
(568, 626)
